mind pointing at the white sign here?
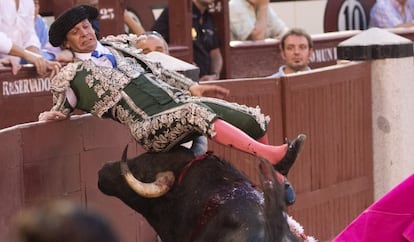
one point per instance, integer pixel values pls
(26, 86)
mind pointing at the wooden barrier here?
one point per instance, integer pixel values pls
(22, 97)
(332, 177)
(60, 160)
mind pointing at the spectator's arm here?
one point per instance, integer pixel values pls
(43, 66)
(216, 62)
(259, 30)
(134, 26)
(34, 49)
(216, 65)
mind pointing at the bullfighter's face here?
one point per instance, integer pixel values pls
(81, 38)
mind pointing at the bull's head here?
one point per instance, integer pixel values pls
(148, 175)
(161, 185)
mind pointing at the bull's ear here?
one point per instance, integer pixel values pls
(267, 173)
(125, 153)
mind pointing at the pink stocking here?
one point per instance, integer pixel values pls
(228, 134)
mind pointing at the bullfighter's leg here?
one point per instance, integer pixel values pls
(252, 124)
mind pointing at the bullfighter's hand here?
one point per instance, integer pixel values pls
(209, 91)
(52, 116)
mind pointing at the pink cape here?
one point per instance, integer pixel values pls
(389, 219)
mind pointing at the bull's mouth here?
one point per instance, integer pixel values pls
(162, 184)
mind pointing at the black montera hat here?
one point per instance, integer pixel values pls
(67, 20)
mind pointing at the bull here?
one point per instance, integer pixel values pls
(200, 199)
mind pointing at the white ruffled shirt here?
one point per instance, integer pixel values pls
(102, 61)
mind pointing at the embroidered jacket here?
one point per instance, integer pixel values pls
(153, 102)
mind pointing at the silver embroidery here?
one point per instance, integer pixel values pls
(132, 105)
(163, 131)
(59, 85)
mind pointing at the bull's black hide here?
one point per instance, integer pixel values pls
(212, 202)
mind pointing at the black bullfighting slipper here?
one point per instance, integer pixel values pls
(294, 148)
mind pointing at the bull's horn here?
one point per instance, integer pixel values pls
(162, 184)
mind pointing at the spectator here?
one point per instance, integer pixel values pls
(63, 221)
(41, 27)
(254, 20)
(207, 54)
(18, 37)
(392, 14)
(296, 48)
(152, 41)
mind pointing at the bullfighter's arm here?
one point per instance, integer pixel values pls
(61, 109)
(64, 99)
